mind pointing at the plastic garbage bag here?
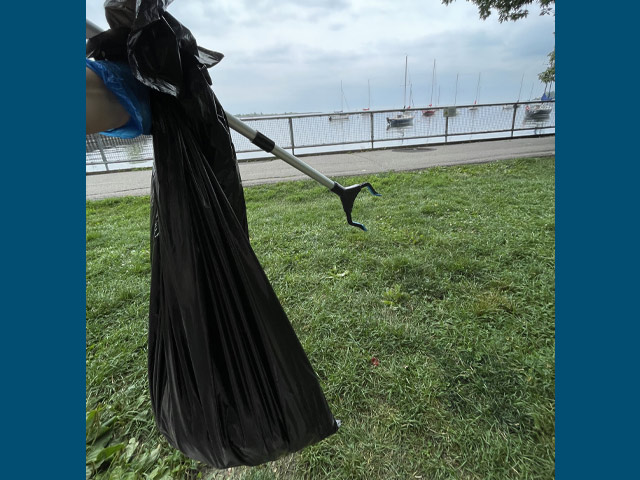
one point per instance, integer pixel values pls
(230, 383)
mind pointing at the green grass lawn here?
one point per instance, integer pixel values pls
(451, 290)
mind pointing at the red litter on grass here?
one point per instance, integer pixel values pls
(375, 362)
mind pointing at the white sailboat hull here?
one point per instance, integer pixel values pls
(400, 121)
(537, 111)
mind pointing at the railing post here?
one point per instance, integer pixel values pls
(446, 128)
(293, 145)
(101, 147)
(372, 135)
(513, 121)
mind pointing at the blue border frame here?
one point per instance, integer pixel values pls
(43, 237)
(596, 242)
(44, 226)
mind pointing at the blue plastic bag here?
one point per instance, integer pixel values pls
(132, 95)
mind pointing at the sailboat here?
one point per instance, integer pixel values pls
(430, 112)
(340, 115)
(410, 105)
(539, 110)
(475, 102)
(369, 88)
(402, 119)
(450, 111)
(510, 106)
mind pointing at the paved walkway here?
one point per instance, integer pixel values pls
(118, 184)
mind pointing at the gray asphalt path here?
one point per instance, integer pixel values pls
(118, 184)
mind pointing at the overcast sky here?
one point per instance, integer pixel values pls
(291, 55)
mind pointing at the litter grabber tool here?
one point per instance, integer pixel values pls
(347, 194)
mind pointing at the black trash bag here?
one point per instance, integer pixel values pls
(230, 383)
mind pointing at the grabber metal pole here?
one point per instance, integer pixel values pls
(92, 29)
(269, 146)
(347, 194)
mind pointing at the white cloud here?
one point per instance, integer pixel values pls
(290, 55)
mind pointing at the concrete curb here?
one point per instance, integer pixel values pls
(137, 182)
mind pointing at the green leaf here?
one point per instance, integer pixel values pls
(108, 452)
(92, 455)
(148, 459)
(101, 430)
(131, 448)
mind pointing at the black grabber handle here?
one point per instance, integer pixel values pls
(347, 194)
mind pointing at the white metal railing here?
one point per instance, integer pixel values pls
(314, 133)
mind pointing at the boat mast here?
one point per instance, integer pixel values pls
(477, 89)
(521, 81)
(404, 99)
(433, 81)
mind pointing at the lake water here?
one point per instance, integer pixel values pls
(318, 134)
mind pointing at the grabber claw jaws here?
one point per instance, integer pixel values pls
(347, 197)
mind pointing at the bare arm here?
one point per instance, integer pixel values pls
(104, 111)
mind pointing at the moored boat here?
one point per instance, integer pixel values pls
(475, 103)
(430, 112)
(403, 119)
(537, 111)
(400, 120)
(340, 115)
